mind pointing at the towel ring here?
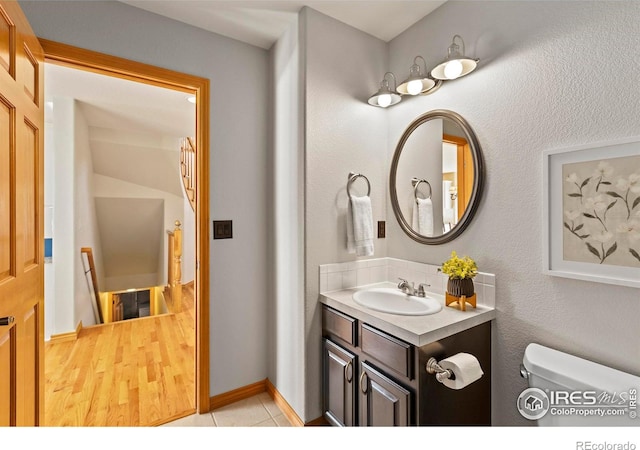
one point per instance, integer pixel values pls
(416, 182)
(353, 177)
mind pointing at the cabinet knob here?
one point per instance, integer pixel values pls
(6, 320)
(363, 389)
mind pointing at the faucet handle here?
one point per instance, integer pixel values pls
(402, 281)
(421, 291)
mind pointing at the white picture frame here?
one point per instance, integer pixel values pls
(557, 228)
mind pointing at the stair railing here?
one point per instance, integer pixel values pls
(174, 279)
(97, 308)
(188, 169)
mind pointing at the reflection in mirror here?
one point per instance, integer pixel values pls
(436, 177)
(457, 177)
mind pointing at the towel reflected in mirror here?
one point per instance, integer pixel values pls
(423, 216)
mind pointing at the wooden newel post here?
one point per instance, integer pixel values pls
(175, 267)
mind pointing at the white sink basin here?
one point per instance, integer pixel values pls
(394, 301)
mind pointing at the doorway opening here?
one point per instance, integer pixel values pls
(61, 55)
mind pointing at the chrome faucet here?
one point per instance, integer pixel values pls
(421, 291)
(405, 287)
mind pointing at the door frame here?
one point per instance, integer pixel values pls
(101, 63)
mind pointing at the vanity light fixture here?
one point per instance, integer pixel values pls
(417, 82)
(456, 65)
(385, 95)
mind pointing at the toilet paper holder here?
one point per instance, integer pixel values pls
(442, 374)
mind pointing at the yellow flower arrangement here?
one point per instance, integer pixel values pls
(459, 268)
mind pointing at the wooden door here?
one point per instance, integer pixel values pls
(21, 221)
(118, 308)
(383, 402)
(339, 385)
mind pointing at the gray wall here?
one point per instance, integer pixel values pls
(239, 142)
(551, 75)
(286, 232)
(343, 134)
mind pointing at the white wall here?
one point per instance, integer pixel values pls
(286, 229)
(69, 189)
(343, 68)
(173, 210)
(85, 230)
(239, 143)
(63, 217)
(49, 201)
(421, 158)
(551, 75)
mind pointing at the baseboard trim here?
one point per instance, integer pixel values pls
(226, 398)
(319, 422)
(286, 409)
(70, 336)
(220, 400)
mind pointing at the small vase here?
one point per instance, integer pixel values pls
(459, 287)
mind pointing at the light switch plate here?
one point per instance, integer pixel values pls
(381, 229)
(222, 229)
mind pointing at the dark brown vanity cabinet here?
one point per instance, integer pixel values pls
(365, 374)
(383, 402)
(371, 378)
(340, 368)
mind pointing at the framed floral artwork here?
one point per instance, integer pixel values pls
(591, 212)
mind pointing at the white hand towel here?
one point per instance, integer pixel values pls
(422, 221)
(359, 226)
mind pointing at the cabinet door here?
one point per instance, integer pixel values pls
(339, 385)
(383, 402)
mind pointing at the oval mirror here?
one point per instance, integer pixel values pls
(436, 177)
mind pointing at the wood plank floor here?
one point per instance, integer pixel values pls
(137, 372)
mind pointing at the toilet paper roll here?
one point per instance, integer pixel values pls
(465, 367)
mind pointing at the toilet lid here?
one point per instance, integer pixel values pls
(575, 373)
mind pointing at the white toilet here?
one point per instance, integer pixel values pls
(592, 385)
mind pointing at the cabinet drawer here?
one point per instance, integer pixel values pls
(339, 325)
(391, 352)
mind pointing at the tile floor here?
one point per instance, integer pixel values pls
(256, 411)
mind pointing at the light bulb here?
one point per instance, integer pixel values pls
(453, 69)
(414, 87)
(384, 100)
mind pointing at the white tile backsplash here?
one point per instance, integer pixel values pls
(490, 295)
(349, 279)
(378, 274)
(364, 276)
(335, 281)
(378, 270)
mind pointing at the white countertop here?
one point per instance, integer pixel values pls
(416, 330)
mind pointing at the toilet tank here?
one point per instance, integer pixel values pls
(581, 392)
